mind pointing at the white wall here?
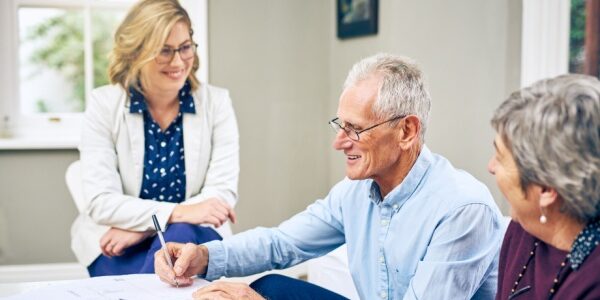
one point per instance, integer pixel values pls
(273, 57)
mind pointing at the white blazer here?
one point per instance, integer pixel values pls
(112, 162)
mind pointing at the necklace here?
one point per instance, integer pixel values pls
(555, 283)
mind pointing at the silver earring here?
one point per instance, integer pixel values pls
(543, 219)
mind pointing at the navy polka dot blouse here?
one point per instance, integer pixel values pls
(164, 159)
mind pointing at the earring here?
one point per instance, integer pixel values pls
(543, 219)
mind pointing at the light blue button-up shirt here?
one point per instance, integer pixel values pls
(435, 236)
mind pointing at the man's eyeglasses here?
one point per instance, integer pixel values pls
(352, 133)
(166, 54)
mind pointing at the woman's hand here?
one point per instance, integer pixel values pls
(227, 290)
(212, 211)
(115, 240)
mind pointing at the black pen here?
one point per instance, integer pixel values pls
(164, 246)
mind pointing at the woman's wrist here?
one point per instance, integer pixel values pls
(177, 215)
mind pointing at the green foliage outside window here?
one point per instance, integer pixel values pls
(577, 36)
(62, 49)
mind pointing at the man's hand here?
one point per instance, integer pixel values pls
(115, 240)
(226, 290)
(212, 211)
(188, 261)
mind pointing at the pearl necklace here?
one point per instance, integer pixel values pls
(555, 283)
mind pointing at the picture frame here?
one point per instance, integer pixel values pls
(356, 18)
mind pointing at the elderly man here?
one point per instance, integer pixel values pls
(415, 227)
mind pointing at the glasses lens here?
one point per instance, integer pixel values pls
(335, 126)
(186, 51)
(164, 55)
(349, 132)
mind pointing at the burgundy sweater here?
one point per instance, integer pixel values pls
(583, 283)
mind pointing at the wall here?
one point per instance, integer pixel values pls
(36, 209)
(469, 51)
(272, 56)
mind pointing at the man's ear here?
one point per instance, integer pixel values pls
(548, 197)
(410, 129)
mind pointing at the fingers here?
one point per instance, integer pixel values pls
(217, 295)
(105, 251)
(118, 249)
(186, 255)
(226, 290)
(215, 289)
(231, 214)
(214, 220)
(225, 210)
(113, 249)
(162, 268)
(104, 242)
(107, 248)
(219, 206)
(213, 211)
(222, 216)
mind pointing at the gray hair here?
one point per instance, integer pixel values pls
(553, 131)
(402, 91)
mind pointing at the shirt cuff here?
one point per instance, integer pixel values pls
(216, 260)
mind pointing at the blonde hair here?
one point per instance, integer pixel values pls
(141, 35)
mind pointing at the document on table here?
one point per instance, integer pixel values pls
(125, 287)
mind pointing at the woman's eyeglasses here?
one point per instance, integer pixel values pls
(166, 54)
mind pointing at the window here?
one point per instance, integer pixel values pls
(559, 37)
(584, 37)
(57, 53)
(56, 65)
(545, 39)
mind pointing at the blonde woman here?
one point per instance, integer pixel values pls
(156, 141)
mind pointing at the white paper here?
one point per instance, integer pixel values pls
(126, 287)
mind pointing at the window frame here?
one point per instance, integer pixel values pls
(63, 130)
(545, 39)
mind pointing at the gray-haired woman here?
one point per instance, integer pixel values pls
(547, 165)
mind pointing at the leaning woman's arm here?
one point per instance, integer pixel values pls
(102, 185)
(223, 170)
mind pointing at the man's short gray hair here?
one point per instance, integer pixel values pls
(553, 131)
(402, 91)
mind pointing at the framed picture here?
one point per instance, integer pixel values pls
(356, 18)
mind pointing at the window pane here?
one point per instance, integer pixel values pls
(51, 60)
(104, 25)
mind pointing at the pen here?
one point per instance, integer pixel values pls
(164, 245)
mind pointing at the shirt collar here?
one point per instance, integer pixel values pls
(404, 190)
(186, 100)
(137, 100)
(585, 243)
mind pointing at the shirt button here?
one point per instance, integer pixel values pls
(383, 295)
(381, 259)
(395, 206)
(384, 222)
(163, 144)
